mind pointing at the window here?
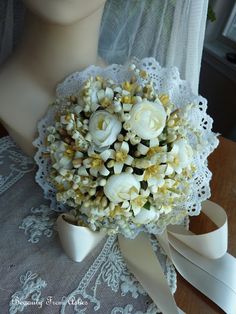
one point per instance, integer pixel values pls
(220, 37)
(230, 28)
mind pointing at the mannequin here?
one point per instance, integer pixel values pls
(60, 37)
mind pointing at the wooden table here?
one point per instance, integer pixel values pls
(223, 165)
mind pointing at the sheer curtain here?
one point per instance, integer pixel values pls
(172, 31)
(11, 24)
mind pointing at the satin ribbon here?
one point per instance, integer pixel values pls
(201, 259)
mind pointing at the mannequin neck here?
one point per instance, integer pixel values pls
(50, 52)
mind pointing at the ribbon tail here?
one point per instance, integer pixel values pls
(223, 269)
(202, 259)
(206, 283)
(143, 263)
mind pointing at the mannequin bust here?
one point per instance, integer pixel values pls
(60, 37)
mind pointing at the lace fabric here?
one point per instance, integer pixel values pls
(110, 269)
(31, 288)
(41, 222)
(18, 164)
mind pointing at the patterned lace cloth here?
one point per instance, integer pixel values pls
(36, 275)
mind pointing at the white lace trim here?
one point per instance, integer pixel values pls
(40, 223)
(167, 81)
(13, 164)
(30, 293)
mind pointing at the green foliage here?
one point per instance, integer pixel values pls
(211, 14)
(147, 205)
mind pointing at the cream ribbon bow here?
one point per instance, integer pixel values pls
(201, 259)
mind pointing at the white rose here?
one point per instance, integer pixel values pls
(148, 119)
(182, 154)
(145, 216)
(121, 187)
(104, 128)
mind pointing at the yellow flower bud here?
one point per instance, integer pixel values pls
(164, 98)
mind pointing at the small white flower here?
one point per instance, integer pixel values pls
(147, 119)
(121, 156)
(91, 89)
(107, 93)
(96, 162)
(146, 216)
(138, 203)
(61, 161)
(104, 128)
(121, 188)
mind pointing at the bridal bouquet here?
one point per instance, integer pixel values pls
(124, 150)
(127, 155)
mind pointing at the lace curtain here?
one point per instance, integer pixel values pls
(172, 31)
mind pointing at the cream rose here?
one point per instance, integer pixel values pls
(121, 187)
(147, 119)
(182, 155)
(145, 216)
(104, 128)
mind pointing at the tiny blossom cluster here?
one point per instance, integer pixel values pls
(120, 155)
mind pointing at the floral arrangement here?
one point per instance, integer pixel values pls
(122, 155)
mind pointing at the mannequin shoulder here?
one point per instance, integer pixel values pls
(12, 85)
(22, 104)
(19, 92)
(14, 82)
